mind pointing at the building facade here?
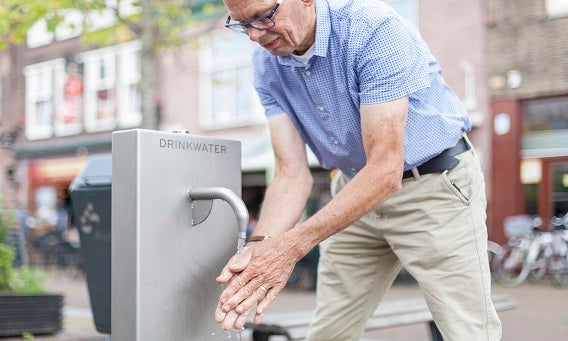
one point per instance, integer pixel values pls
(61, 100)
(528, 83)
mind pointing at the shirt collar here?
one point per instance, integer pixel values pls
(323, 30)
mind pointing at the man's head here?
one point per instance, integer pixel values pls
(294, 23)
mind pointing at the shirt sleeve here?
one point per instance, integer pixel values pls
(393, 63)
(261, 71)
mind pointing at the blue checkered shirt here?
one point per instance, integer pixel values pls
(364, 54)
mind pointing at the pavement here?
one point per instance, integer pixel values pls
(542, 312)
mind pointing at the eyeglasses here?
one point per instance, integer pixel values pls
(263, 23)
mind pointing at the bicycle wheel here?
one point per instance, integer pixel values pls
(559, 271)
(538, 268)
(495, 254)
(515, 269)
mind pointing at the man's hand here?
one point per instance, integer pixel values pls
(255, 277)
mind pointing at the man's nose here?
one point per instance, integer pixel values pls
(255, 34)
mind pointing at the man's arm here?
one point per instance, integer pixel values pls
(283, 204)
(382, 130)
(267, 268)
(286, 196)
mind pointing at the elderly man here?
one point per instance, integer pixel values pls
(357, 83)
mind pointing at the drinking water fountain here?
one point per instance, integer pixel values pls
(170, 237)
(202, 198)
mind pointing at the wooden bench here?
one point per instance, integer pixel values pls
(294, 325)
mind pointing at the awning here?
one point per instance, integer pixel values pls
(60, 170)
(257, 155)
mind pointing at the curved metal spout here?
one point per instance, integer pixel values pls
(238, 206)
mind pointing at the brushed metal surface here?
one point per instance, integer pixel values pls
(163, 268)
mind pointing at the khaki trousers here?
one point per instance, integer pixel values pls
(434, 227)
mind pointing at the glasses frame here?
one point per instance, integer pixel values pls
(244, 27)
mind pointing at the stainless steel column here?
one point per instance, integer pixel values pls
(164, 267)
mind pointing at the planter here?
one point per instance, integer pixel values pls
(30, 313)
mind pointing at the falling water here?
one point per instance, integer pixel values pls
(241, 246)
(232, 334)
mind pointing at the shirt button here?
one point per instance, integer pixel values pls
(335, 142)
(321, 109)
(308, 73)
(353, 170)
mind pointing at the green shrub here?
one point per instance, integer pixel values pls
(27, 281)
(24, 280)
(6, 253)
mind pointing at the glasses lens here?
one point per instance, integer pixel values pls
(262, 23)
(238, 28)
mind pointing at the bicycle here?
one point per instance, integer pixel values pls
(495, 253)
(558, 267)
(522, 250)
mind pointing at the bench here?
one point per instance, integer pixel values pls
(294, 325)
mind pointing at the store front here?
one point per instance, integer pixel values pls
(49, 205)
(544, 167)
(530, 160)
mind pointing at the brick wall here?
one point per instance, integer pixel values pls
(521, 37)
(455, 32)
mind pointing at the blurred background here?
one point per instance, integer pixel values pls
(72, 72)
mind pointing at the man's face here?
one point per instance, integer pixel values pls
(294, 28)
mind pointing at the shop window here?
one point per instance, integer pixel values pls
(556, 8)
(45, 203)
(44, 94)
(560, 189)
(545, 124)
(226, 84)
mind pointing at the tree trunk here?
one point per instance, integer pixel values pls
(147, 61)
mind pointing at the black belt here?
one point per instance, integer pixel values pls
(443, 161)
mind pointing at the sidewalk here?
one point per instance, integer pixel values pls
(542, 312)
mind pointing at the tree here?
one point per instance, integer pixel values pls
(157, 23)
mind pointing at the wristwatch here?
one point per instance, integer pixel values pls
(258, 238)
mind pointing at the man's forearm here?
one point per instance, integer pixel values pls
(368, 189)
(284, 202)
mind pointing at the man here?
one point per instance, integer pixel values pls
(356, 83)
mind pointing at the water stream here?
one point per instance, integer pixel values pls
(232, 334)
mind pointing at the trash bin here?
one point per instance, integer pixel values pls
(91, 201)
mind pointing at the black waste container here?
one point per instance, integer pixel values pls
(91, 201)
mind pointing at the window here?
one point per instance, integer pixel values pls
(38, 35)
(128, 90)
(72, 24)
(112, 97)
(68, 117)
(556, 8)
(44, 93)
(226, 84)
(545, 123)
(100, 89)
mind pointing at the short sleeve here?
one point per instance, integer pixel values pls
(261, 69)
(393, 63)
